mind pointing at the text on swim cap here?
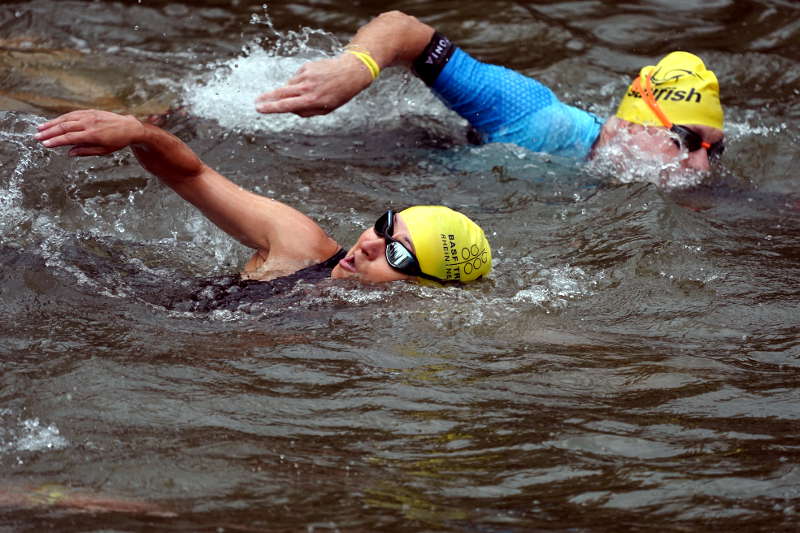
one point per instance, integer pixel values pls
(468, 259)
(671, 95)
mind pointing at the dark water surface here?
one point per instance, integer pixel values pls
(633, 362)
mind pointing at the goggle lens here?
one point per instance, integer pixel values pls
(398, 256)
(690, 140)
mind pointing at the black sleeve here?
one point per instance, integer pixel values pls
(433, 59)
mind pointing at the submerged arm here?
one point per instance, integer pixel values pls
(319, 87)
(277, 231)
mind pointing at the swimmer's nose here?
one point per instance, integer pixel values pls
(698, 160)
(373, 248)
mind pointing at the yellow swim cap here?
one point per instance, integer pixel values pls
(447, 243)
(683, 89)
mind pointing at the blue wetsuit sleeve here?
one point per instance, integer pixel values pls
(505, 106)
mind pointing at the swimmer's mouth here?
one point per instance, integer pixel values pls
(349, 264)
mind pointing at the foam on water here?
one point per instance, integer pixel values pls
(28, 435)
(556, 286)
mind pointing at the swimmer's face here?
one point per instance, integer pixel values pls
(366, 260)
(657, 145)
(696, 160)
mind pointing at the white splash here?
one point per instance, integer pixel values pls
(31, 436)
(229, 90)
(555, 287)
(229, 94)
(20, 136)
(628, 166)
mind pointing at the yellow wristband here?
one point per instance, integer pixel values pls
(370, 63)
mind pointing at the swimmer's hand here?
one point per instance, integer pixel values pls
(318, 88)
(90, 132)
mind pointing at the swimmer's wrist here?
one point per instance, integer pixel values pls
(365, 59)
(138, 133)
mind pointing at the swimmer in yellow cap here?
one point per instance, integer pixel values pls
(672, 112)
(430, 242)
(671, 109)
(433, 243)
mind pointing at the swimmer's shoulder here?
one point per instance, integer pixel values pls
(263, 267)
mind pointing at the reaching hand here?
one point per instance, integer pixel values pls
(90, 132)
(318, 87)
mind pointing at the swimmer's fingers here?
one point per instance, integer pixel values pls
(82, 143)
(72, 116)
(65, 139)
(307, 103)
(287, 91)
(57, 128)
(292, 98)
(318, 87)
(78, 138)
(303, 105)
(102, 131)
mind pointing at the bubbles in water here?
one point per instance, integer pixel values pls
(736, 130)
(35, 437)
(28, 435)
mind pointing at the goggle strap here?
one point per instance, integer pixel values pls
(649, 99)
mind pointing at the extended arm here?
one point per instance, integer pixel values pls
(319, 87)
(283, 236)
(501, 104)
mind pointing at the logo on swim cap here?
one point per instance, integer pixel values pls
(448, 245)
(685, 90)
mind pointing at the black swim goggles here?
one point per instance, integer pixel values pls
(692, 141)
(398, 256)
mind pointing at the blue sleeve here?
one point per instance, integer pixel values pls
(505, 106)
